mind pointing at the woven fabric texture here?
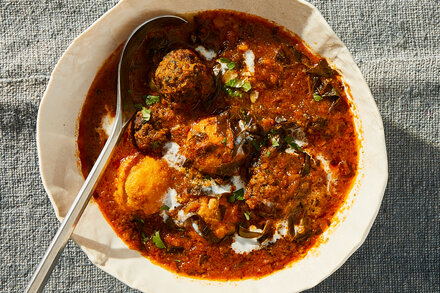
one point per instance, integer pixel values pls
(396, 44)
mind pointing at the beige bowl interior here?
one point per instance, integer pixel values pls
(56, 135)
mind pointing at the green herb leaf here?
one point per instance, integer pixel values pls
(224, 141)
(274, 142)
(225, 60)
(138, 106)
(144, 238)
(239, 194)
(180, 229)
(259, 143)
(233, 83)
(164, 208)
(244, 114)
(238, 94)
(231, 87)
(146, 113)
(268, 154)
(232, 92)
(293, 144)
(247, 215)
(155, 144)
(317, 97)
(246, 86)
(150, 100)
(157, 241)
(237, 83)
(230, 64)
(236, 195)
(177, 260)
(256, 145)
(139, 219)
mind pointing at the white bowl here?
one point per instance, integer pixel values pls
(57, 130)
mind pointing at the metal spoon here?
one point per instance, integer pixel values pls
(124, 113)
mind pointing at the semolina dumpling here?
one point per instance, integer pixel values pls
(142, 182)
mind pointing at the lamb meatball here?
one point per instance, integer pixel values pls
(268, 187)
(149, 139)
(150, 136)
(183, 79)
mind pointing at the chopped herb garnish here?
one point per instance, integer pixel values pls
(224, 141)
(237, 83)
(155, 144)
(274, 131)
(317, 97)
(144, 238)
(139, 219)
(150, 100)
(232, 86)
(225, 60)
(268, 154)
(164, 208)
(146, 114)
(244, 113)
(238, 94)
(274, 142)
(247, 215)
(157, 241)
(230, 64)
(237, 195)
(180, 229)
(293, 144)
(233, 83)
(177, 260)
(256, 145)
(138, 106)
(233, 92)
(246, 86)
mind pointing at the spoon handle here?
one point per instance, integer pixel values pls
(63, 234)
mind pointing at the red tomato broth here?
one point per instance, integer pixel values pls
(285, 91)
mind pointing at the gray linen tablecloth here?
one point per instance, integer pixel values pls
(396, 44)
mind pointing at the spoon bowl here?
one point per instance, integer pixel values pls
(125, 107)
(125, 111)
